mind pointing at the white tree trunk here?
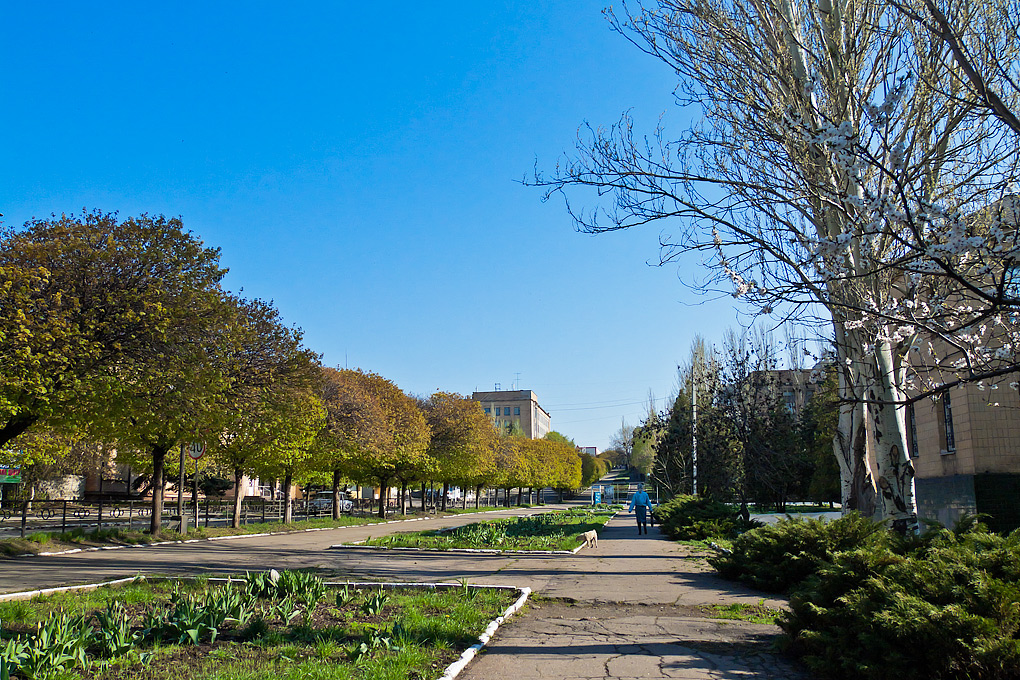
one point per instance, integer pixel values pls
(892, 458)
(857, 485)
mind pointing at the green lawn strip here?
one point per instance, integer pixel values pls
(752, 613)
(305, 630)
(47, 542)
(556, 530)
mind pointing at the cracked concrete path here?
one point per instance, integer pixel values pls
(634, 607)
(583, 641)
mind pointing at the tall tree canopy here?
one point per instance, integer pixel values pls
(265, 365)
(356, 423)
(404, 444)
(85, 301)
(463, 439)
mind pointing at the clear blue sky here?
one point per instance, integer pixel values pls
(360, 165)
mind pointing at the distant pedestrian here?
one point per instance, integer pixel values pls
(641, 504)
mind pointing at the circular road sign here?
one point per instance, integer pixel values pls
(196, 450)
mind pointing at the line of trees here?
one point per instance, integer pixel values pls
(753, 446)
(118, 334)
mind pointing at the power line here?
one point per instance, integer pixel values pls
(587, 420)
(551, 409)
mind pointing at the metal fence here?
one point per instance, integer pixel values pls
(26, 517)
(20, 517)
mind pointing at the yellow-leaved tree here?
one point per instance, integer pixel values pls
(463, 440)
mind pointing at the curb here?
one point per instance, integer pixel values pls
(451, 671)
(454, 669)
(29, 594)
(235, 536)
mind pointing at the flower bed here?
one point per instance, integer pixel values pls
(279, 625)
(550, 531)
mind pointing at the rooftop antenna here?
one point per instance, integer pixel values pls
(497, 387)
(517, 382)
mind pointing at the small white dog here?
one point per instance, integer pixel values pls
(591, 539)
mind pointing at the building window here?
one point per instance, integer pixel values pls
(1012, 281)
(947, 415)
(517, 410)
(912, 429)
(791, 402)
(488, 410)
(506, 410)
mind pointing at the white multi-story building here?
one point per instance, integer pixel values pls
(507, 407)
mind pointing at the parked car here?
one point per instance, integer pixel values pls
(323, 502)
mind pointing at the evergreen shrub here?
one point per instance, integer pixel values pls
(944, 606)
(779, 556)
(693, 518)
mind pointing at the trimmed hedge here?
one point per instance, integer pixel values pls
(692, 518)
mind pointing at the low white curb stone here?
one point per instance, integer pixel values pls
(29, 594)
(454, 669)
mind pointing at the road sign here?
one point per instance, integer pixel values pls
(196, 450)
(596, 497)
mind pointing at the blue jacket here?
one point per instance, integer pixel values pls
(640, 499)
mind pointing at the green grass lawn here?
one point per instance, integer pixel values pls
(293, 627)
(558, 530)
(55, 541)
(753, 613)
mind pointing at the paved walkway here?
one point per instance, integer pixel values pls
(630, 608)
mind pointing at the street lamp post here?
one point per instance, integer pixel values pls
(694, 433)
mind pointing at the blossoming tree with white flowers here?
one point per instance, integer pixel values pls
(828, 181)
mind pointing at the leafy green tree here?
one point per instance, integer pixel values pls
(765, 465)
(592, 469)
(462, 440)
(404, 445)
(292, 455)
(356, 423)
(613, 456)
(178, 399)
(553, 463)
(672, 468)
(555, 436)
(87, 304)
(44, 452)
(264, 363)
(645, 441)
(816, 430)
(510, 463)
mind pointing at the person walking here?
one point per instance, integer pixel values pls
(641, 504)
